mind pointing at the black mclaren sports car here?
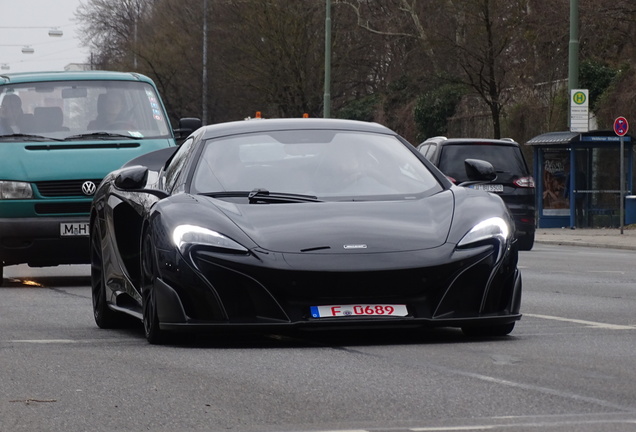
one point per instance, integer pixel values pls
(300, 224)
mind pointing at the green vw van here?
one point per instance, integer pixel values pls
(60, 134)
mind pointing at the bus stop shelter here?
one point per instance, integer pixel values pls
(577, 179)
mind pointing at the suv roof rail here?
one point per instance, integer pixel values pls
(436, 138)
(508, 139)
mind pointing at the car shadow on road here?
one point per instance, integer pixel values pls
(238, 339)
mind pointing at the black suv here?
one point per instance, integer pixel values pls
(514, 183)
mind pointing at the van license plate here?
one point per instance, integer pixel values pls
(74, 229)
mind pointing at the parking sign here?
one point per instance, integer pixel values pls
(621, 126)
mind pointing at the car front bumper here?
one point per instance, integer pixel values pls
(469, 289)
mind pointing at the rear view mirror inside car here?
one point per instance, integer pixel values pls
(74, 92)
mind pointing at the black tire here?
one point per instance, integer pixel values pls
(488, 331)
(105, 317)
(153, 332)
(526, 242)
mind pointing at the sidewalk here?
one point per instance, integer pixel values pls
(594, 237)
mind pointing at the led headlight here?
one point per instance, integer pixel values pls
(185, 236)
(15, 190)
(493, 228)
(490, 229)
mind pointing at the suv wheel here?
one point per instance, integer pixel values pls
(526, 242)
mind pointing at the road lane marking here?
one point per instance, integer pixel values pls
(607, 271)
(347, 430)
(537, 388)
(455, 428)
(70, 341)
(593, 324)
(536, 424)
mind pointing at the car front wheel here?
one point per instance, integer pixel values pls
(105, 317)
(526, 242)
(153, 332)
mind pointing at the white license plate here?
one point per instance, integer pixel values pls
(489, 187)
(74, 229)
(358, 310)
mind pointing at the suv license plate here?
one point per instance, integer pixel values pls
(74, 229)
(358, 310)
(489, 187)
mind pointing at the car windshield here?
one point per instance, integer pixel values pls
(72, 109)
(318, 163)
(504, 158)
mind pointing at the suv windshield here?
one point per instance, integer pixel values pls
(63, 109)
(504, 158)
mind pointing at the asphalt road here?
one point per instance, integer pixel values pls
(567, 366)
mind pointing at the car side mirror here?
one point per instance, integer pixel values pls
(132, 178)
(478, 171)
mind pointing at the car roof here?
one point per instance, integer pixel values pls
(269, 125)
(29, 77)
(476, 141)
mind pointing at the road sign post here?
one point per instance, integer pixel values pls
(621, 126)
(579, 110)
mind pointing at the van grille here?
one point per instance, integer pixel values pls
(64, 208)
(66, 188)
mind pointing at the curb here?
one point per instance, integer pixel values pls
(586, 244)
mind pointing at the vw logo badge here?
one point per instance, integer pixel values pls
(88, 188)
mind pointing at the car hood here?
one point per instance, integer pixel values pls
(339, 227)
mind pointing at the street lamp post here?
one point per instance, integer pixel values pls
(327, 96)
(573, 52)
(204, 77)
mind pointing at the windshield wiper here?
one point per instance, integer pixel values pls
(30, 136)
(98, 135)
(264, 196)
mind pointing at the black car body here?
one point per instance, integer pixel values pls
(299, 223)
(514, 183)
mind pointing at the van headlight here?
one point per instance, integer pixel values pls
(15, 190)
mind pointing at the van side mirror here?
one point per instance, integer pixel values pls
(187, 125)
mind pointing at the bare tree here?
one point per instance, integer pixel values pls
(275, 51)
(109, 28)
(470, 40)
(268, 55)
(488, 50)
(151, 37)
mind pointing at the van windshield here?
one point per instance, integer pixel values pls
(63, 109)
